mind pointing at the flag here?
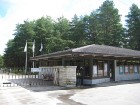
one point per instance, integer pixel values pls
(41, 47)
(25, 48)
(33, 48)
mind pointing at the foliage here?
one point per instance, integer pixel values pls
(102, 26)
(1, 61)
(133, 27)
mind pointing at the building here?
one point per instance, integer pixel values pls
(88, 65)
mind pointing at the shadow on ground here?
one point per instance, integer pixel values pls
(115, 83)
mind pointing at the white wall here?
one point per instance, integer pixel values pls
(96, 81)
(65, 75)
(123, 76)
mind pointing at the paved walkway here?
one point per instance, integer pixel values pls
(118, 93)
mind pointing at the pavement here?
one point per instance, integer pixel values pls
(111, 93)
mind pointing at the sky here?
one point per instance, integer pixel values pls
(13, 12)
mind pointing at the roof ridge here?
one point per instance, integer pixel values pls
(82, 47)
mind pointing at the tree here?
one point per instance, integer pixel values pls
(9, 55)
(1, 61)
(77, 31)
(102, 26)
(93, 35)
(110, 29)
(133, 27)
(44, 28)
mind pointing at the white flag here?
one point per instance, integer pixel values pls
(41, 47)
(33, 48)
(25, 48)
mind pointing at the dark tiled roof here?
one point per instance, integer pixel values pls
(95, 50)
(107, 50)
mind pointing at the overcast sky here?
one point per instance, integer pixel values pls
(13, 12)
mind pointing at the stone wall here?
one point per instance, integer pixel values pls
(67, 76)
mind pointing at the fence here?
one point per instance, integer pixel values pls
(10, 79)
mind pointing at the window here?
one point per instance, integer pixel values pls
(121, 69)
(135, 69)
(100, 68)
(139, 69)
(131, 69)
(126, 69)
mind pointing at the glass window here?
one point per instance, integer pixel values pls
(135, 69)
(139, 69)
(100, 68)
(121, 69)
(126, 69)
(131, 69)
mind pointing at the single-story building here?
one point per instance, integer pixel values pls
(88, 65)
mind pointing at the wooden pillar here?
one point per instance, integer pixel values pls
(40, 63)
(91, 67)
(63, 61)
(115, 70)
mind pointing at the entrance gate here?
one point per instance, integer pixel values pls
(30, 79)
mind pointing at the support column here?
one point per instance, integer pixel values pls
(91, 67)
(63, 61)
(40, 64)
(115, 70)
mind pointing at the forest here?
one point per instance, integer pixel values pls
(102, 26)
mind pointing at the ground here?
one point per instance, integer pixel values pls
(118, 93)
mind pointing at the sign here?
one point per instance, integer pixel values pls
(35, 70)
(94, 70)
(105, 69)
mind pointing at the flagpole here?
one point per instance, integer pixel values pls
(33, 52)
(26, 59)
(33, 61)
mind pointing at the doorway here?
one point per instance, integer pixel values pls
(79, 75)
(112, 70)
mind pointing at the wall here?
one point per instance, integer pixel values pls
(95, 81)
(123, 76)
(67, 76)
(63, 75)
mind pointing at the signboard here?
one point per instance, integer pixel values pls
(94, 70)
(35, 70)
(105, 69)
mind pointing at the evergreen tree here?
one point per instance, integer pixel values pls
(110, 29)
(133, 27)
(1, 61)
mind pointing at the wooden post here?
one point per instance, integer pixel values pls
(63, 61)
(91, 67)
